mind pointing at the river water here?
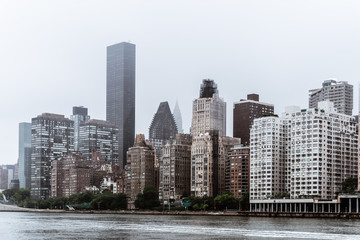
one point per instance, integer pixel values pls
(96, 226)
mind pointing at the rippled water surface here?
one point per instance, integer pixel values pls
(94, 226)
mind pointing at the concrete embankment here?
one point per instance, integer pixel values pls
(13, 208)
(300, 215)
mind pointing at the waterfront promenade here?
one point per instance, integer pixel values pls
(13, 208)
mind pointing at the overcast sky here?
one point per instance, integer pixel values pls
(53, 54)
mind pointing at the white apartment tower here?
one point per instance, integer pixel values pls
(267, 158)
(319, 152)
(340, 93)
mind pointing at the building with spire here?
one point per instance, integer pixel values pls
(178, 117)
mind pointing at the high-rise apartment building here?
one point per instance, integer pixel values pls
(52, 136)
(305, 153)
(70, 175)
(178, 117)
(244, 113)
(24, 155)
(175, 165)
(102, 137)
(80, 116)
(340, 93)
(225, 144)
(209, 111)
(238, 171)
(162, 128)
(120, 94)
(204, 164)
(140, 167)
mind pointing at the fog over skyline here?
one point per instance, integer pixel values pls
(53, 54)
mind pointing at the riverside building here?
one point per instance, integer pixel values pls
(306, 153)
(237, 171)
(140, 167)
(175, 165)
(52, 136)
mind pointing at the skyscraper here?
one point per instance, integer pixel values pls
(24, 154)
(162, 128)
(52, 136)
(340, 93)
(245, 111)
(209, 110)
(120, 94)
(80, 115)
(178, 117)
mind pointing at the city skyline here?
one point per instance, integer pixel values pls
(297, 56)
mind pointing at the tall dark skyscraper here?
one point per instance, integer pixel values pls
(120, 94)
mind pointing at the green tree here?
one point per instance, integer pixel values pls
(349, 185)
(244, 201)
(225, 201)
(148, 199)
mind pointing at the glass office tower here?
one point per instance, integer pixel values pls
(120, 94)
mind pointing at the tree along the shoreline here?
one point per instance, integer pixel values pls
(148, 199)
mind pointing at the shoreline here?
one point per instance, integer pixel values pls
(190, 213)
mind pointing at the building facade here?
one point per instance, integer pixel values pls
(209, 111)
(318, 151)
(70, 175)
(80, 116)
(225, 144)
(175, 165)
(100, 136)
(140, 167)
(24, 155)
(340, 93)
(162, 128)
(204, 164)
(244, 113)
(52, 136)
(238, 171)
(120, 94)
(267, 158)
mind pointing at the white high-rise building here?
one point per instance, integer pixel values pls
(340, 93)
(316, 148)
(267, 158)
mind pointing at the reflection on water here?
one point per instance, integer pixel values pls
(87, 226)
